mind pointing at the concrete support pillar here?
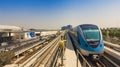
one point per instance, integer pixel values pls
(108, 37)
(9, 34)
(40, 35)
(18, 56)
(19, 36)
(77, 58)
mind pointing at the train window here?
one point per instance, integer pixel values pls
(91, 35)
(0, 40)
(88, 27)
(78, 38)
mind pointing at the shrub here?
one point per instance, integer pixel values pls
(6, 57)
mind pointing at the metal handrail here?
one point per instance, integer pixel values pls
(85, 62)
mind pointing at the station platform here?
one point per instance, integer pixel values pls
(70, 58)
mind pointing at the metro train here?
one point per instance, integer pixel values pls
(90, 40)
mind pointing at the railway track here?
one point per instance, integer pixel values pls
(46, 56)
(40, 46)
(28, 53)
(42, 56)
(18, 44)
(108, 62)
(104, 61)
(115, 47)
(112, 59)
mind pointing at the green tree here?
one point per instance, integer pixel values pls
(5, 57)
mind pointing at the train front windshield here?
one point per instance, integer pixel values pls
(91, 33)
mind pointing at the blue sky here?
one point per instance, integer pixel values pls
(52, 14)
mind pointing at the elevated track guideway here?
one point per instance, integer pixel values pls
(46, 57)
(113, 46)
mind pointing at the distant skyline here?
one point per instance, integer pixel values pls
(53, 14)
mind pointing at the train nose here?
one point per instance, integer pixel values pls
(93, 44)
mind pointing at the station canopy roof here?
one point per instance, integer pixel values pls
(8, 28)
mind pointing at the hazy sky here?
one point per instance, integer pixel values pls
(52, 14)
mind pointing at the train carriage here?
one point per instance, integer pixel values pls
(90, 40)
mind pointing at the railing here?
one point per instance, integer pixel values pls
(83, 61)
